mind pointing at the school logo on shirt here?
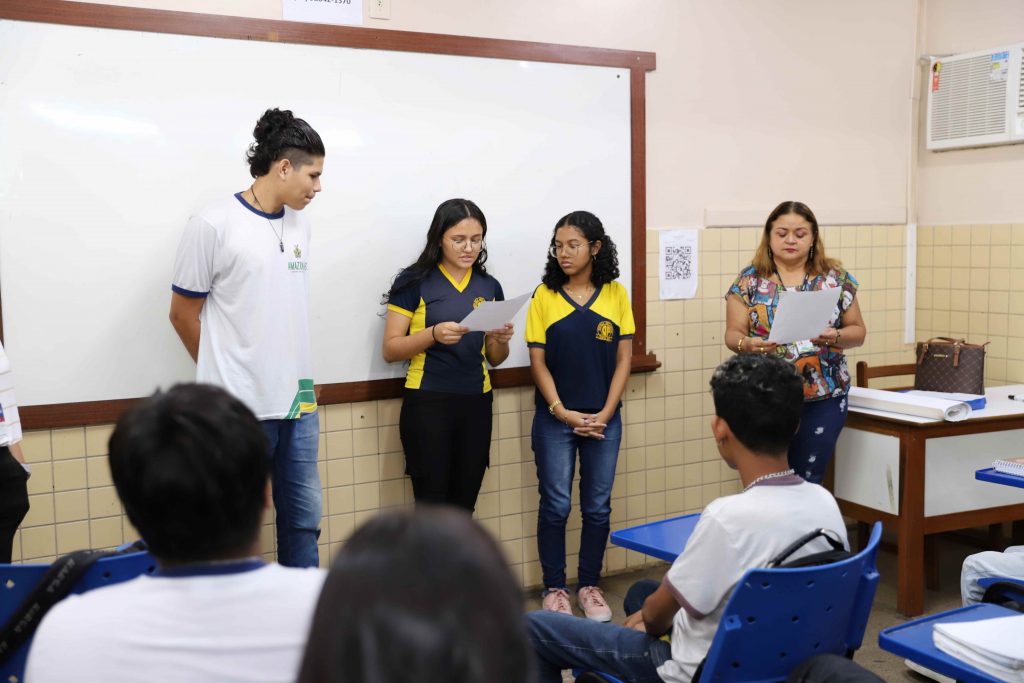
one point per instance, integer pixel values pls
(297, 252)
(605, 331)
(477, 301)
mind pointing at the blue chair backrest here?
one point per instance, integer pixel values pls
(18, 580)
(777, 618)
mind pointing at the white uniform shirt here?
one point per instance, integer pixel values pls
(10, 421)
(254, 339)
(231, 628)
(736, 533)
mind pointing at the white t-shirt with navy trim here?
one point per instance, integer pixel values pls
(736, 533)
(230, 627)
(254, 339)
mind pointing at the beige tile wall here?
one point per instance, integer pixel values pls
(968, 287)
(668, 463)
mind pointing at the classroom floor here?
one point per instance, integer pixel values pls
(883, 615)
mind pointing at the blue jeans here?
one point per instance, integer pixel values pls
(555, 447)
(564, 642)
(296, 486)
(815, 440)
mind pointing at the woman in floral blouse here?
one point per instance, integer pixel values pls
(791, 255)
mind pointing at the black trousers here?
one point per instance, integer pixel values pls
(13, 500)
(447, 442)
(831, 669)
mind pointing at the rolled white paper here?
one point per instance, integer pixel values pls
(908, 404)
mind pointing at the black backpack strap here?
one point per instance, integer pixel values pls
(1005, 593)
(58, 581)
(829, 535)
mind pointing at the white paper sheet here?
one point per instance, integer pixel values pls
(492, 315)
(993, 645)
(803, 315)
(677, 265)
(908, 404)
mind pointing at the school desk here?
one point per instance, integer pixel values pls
(916, 476)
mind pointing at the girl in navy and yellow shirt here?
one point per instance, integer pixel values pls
(445, 425)
(579, 330)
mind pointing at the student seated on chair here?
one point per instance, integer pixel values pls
(989, 564)
(758, 400)
(191, 469)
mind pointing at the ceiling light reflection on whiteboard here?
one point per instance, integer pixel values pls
(97, 123)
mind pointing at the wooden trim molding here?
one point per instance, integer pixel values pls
(215, 26)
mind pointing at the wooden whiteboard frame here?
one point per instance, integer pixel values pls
(215, 26)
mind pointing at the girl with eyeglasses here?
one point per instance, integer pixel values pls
(580, 333)
(445, 424)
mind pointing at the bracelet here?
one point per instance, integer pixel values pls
(836, 342)
(739, 347)
(551, 408)
(432, 336)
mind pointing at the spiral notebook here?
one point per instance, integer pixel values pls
(1012, 466)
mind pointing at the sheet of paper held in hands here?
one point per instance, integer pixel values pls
(492, 315)
(803, 315)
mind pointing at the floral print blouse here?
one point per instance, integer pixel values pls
(823, 368)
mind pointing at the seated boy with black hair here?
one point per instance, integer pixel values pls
(190, 466)
(758, 401)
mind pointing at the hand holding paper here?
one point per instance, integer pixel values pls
(494, 315)
(803, 315)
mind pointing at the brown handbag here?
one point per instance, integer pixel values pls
(952, 365)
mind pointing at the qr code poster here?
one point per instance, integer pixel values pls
(677, 265)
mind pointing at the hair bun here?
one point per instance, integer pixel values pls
(272, 122)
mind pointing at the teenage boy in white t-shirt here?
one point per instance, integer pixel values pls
(191, 470)
(758, 400)
(240, 304)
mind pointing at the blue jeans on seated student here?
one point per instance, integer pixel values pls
(815, 440)
(293, 446)
(563, 642)
(555, 447)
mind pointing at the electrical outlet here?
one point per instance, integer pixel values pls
(380, 9)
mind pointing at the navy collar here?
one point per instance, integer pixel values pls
(211, 568)
(274, 216)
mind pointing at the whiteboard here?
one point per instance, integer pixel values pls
(110, 139)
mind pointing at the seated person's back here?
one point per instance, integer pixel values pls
(758, 400)
(190, 468)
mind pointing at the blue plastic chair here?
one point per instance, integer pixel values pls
(18, 580)
(777, 618)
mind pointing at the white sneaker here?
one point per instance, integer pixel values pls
(928, 673)
(592, 603)
(556, 600)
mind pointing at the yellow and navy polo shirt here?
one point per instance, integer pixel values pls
(580, 342)
(455, 368)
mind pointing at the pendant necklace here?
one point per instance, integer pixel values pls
(766, 477)
(280, 238)
(579, 297)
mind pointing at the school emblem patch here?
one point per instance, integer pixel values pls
(605, 331)
(297, 252)
(477, 301)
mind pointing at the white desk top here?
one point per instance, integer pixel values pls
(997, 405)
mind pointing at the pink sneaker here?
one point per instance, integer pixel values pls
(557, 600)
(592, 603)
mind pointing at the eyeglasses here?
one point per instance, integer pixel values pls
(571, 249)
(460, 244)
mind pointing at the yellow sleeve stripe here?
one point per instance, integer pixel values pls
(399, 310)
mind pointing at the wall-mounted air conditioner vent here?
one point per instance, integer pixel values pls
(976, 99)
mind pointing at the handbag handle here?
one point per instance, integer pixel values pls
(923, 349)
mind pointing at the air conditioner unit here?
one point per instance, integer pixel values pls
(976, 99)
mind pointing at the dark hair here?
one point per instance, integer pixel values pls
(279, 135)
(606, 262)
(420, 595)
(760, 397)
(190, 466)
(817, 262)
(449, 213)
